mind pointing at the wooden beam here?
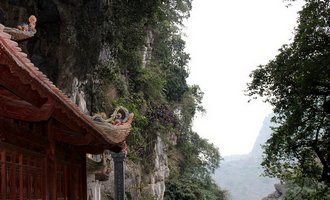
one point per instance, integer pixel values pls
(22, 110)
(64, 119)
(65, 137)
(67, 131)
(15, 85)
(20, 136)
(99, 148)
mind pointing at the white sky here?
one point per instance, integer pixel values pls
(226, 40)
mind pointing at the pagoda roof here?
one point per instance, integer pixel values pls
(23, 80)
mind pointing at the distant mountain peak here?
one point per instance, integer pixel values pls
(264, 135)
(241, 174)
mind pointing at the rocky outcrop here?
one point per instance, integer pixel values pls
(137, 184)
(68, 42)
(156, 179)
(148, 46)
(78, 96)
(278, 194)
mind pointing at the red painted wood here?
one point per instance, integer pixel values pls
(3, 174)
(23, 91)
(21, 178)
(51, 156)
(42, 176)
(21, 184)
(45, 179)
(19, 109)
(68, 121)
(73, 140)
(12, 180)
(23, 136)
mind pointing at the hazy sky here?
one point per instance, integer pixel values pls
(227, 39)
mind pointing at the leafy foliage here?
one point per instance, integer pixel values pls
(310, 190)
(152, 83)
(196, 160)
(200, 157)
(297, 84)
(190, 189)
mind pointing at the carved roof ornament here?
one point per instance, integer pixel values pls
(24, 30)
(117, 126)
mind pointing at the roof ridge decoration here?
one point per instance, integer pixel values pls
(119, 123)
(23, 31)
(25, 65)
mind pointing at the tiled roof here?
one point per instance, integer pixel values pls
(56, 94)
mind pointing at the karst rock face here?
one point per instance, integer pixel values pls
(141, 185)
(68, 43)
(68, 47)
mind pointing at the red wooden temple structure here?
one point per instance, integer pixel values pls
(44, 137)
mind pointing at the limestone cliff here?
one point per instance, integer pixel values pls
(63, 47)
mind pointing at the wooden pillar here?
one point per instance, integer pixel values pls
(84, 176)
(3, 175)
(12, 181)
(44, 191)
(51, 172)
(21, 178)
(118, 159)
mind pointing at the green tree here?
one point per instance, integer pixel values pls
(197, 160)
(297, 84)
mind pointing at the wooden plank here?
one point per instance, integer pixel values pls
(98, 148)
(23, 173)
(22, 110)
(45, 187)
(64, 119)
(21, 178)
(51, 156)
(66, 182)
(24, 91)
(15, 85)
(73, 140)
(28, 176)
(13, 175)
(10, 147)
(3, 175)
(23, 136)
